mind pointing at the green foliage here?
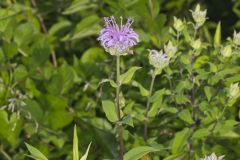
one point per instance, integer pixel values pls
(217, 36)
(36, 154)
(193, 107)
(109, 109)
(75, 144)
(138, 152)
(126, 77)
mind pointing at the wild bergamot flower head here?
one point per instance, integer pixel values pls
(233, 90)
(213, 157)
(236, 38)
(178, 24)
(158, 59)
(199, 16)
(170, 49)
(118, 39)
(226, 51)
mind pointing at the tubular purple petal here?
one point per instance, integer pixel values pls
(118, 38)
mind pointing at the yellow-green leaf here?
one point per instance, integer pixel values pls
(110, 110)
(84, 157)
(127, 77)
(75, 144)
(217, 36)
(144, 92)
(35, 152)
(185, 115)
(139, 152)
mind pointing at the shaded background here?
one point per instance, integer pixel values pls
(66, 92)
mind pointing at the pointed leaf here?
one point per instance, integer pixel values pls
(138, 152)
(180, 140)
(110, 110)
(217, 36)
(208, 92)
(112, 83)
(75, 144)
(127, 77)
(200, 133)
(185, 115)
(84, 157)
(35, 152)
(144, 92)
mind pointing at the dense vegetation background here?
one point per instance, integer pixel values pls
(51, 65)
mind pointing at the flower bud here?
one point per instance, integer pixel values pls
(226, 51)
(236, 38)
(196, 44)
(170, 50)
(199, 16)
(213, 156)
(233, 90)
(178, 24)
(158, 59)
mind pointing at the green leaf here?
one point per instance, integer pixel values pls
(35, 152)
(144, 92)
(62, 81)
(185, 59)
(84, 157)
(79, 5)
(23, 34)
(6, 128)
(75, 144)
(109, 109)
(128, 120)
(40, 52)
(180, 140)
(10, 49)
(34, 109)
(155, 108)
(138, 152)
(127, 77)
(92, 55)
(56, 119)
(174, 157)
(58, 27)
(217, 36)
(200, 61)
(87, 27)
(170, 109)
(90, 59)
(185, 115)
(112, 83)
(75, 147)
(200, 133)
(20, 73)
(208, 92)
(183, 85)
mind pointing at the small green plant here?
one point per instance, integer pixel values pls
(37, 155)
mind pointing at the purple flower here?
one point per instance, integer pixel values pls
(117, 40)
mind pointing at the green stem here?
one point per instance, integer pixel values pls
(178, 35)
(5, 154)
(191, 148)
(148, 107)
(120, 127)
(195, 31)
